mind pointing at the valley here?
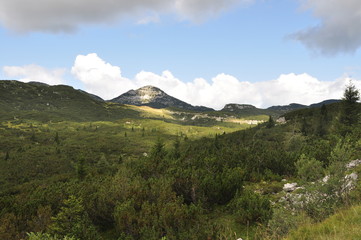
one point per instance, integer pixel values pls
(77, 167)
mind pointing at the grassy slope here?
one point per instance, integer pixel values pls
(343, 225)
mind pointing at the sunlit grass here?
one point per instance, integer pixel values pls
(346, 224)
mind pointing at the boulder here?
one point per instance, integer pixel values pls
(289, 187)
(350, 181)
(353, 163)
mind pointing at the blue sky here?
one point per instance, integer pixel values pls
(206, 52)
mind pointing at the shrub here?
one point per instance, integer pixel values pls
(251, 207)
(309, 169)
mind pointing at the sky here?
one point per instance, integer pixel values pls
(204, 52)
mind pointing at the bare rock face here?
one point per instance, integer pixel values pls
(156, 98)
(232, 107)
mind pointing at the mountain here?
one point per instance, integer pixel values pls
(287, 108)
(44, 102)
(296, 106)
(233, 107)
(156, 98)
(94, 97)
(326, 102)
(274, 111)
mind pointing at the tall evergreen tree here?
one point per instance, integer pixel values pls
(270, 123)
(350, 110)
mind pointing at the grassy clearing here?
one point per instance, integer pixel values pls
(344, 225)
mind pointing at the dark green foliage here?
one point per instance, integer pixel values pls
(270, 122)
(73, 221)
(351, 110)
(42, 219)
(140, 187)
(56, 138)
(46, 236)
(80, 169)
(321, 127)
(250, 207)
(33, 137)
(9, 227)
(176, 149)
(305, 127)
(7, 156)
(55, 103)
(309, 169)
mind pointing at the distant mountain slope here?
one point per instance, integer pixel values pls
(43, 102)
(275, 111)
(40, 101)
(243, 110)
(156, 98)
(326, 102)
(287, 108)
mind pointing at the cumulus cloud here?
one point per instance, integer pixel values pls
(339, 28)
(301, 88)
(99, 77)
(35, 73)
(67, 15)
(105, 80)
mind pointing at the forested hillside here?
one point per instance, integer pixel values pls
(136, 178)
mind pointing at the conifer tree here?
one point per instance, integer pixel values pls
(350, 110)
(270, 123)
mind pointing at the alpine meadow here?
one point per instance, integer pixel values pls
(180, 120)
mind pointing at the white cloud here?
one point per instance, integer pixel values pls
(67, 15)
(339, 29)
(99, 77)
(302, 88)
(105, 80)
(35, 73)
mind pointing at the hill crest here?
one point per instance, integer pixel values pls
(154, 97)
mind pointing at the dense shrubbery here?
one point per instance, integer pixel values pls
(251, 208)
(90, 181)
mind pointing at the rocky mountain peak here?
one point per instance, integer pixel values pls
(148, 93)
(154, 97)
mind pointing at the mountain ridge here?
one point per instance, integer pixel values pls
(154, 97)
(22, 95)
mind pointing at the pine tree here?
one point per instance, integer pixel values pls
(270, 123)
(351, 112)
(73, 221)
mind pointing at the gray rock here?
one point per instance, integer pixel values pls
(289, 187)
(353, 163)
(349, 183)
(325, 179)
